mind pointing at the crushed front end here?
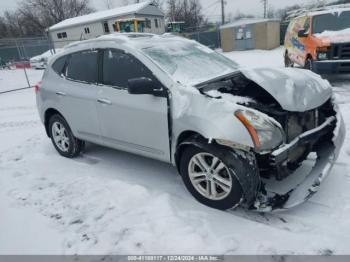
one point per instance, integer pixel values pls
(292, 173)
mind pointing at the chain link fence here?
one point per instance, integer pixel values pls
(15, 67)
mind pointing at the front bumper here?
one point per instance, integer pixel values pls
(304, 182)
(331, 67)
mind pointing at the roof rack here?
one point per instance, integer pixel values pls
(295, 13)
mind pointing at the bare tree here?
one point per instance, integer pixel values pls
(188, 11)
(33, 16)
(108, 4)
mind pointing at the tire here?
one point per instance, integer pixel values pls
(308, 64)
(63, 139)
(236, 168)
(287, 61)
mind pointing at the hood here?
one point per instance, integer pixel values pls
(296, 90)
(333, 37)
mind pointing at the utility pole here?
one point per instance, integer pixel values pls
(265, 3)
(223, 11)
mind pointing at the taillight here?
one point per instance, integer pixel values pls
(37, 87)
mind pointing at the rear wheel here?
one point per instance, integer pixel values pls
(287, 61)
(62, 137)
(218, 176)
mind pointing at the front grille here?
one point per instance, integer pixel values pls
(298, 123)
(340, 51)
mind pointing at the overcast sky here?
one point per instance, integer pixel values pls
(211, 8)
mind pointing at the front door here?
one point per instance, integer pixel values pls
(134, 123)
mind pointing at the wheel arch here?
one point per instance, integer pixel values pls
(190, 136)
(48, 114)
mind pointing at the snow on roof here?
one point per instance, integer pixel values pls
(247, 22)
(330, 11)
(124, 10)
(333, 9)
(139, 40)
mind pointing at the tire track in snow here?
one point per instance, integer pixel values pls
(15, 124)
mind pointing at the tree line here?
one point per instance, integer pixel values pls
(33, 17)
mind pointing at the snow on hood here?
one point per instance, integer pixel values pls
(296, 90)
(231, 98)
(341, 36)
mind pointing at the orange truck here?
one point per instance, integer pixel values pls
(320, 41)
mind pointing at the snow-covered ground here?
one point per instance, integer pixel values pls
(15, 79)
(110, 202)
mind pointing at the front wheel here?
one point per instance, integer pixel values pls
(287, 61)
(219, 177)
(308, 64)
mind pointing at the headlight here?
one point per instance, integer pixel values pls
(322, 55)
(264, 132)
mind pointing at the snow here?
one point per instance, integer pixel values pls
(90, 18)
(46, 55)
(111, 202)
(341, 36)
(230, 98)
(247, 21)
(14, 79)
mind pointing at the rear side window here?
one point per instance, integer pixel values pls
(58, 65)
(83, 66)
(119, 67)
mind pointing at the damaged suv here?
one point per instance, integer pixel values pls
(263, 139)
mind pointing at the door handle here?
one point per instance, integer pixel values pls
(60, 94)
(104, 101)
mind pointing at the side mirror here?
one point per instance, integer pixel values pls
(302, 33)
(145, 86)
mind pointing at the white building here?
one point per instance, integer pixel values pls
(143, 17)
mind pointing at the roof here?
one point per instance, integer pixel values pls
(131, 39)
(247, 22)
(102, 15)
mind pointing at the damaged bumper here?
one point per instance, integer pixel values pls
(304, 182)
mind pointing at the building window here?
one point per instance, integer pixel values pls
(62, 35)
(156, 22)
(106, 27)
(148, 23)
(87, 30)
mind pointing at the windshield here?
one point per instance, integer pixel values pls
(190, 63)
(331, 22)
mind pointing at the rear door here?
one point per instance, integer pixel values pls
(134, 123)
(80, 94)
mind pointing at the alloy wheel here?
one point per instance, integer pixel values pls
(60, 136)
(210, 176)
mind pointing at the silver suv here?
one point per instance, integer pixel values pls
(263, 139)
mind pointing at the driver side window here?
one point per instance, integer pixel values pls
(119, 67)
